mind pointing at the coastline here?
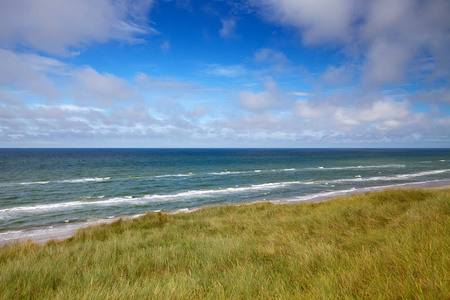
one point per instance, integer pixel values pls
(61, 232)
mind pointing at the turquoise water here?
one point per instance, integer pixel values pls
(46, 187)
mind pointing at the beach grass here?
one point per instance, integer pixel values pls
(387, 245)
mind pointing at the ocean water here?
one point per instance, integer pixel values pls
(44, 188)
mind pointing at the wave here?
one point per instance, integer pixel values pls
(95, 179)
(229, 172)
(175, 175)
(226, 172)
(394, 177)
(177, 197)
(332, 194)
(80, 180)
(34, 182)
(359, 167)
(317, 196)
(186, 195)
(90, 198)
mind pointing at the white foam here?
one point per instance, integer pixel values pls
(12, 212)
(315, 196)
(183, 210)
(361, 167)
(395, 177)
(175, 175)
(93, 197)
(34, 182)
(80, 180)
(41, 235)
(228, 172)
(95, 179)
(9, 213)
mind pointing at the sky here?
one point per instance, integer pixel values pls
(222, 73)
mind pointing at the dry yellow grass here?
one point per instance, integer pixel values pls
(387, 245)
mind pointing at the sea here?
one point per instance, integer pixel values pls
(52, 192)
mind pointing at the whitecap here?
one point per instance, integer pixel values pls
(34, 182)
(95, 179)
(175, 175)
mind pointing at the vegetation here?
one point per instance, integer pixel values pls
(392, 244)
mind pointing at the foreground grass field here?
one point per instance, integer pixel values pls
(392, 244)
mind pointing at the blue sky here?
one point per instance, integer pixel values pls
(221, 73)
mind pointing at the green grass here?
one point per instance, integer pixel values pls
(387, 245)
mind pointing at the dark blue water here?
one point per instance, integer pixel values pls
(42, 187)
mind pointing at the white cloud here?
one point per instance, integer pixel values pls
(69, 108)
(165, 46)
(434, 96)
(228, 29)
(385, 110)
(57, 26)
(380, 113)
(267, 55)
(166, 84)
(399, 31)
(104, 89)
(9, 96)
(320, 20)
(301, 94)
(224, 71)
(200, 111)
(386, 63)
(268, 99)
(27, 72)
(383, 37)
(339, 76)
(305, 110)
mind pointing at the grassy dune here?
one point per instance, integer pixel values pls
(392, 244)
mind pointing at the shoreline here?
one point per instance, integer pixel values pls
(61, 232)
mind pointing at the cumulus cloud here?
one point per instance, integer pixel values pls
(387, 35)
(434, 96)
(275, 60)
(267, 99)
(58, 26)
(308, 111)
(320, 20)
(104, 89)
(380, 113)
(386, 63)
(66, 123)
(28, 72)
(339, 76)
(255, 122)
